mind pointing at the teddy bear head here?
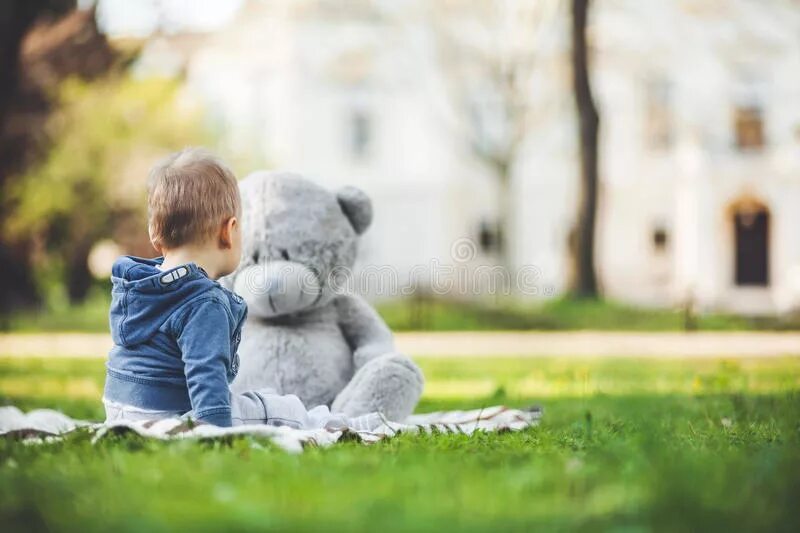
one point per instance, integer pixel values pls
(299, 242)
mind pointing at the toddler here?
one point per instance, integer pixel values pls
(175, 329)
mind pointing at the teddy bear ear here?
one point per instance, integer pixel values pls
(356, 206)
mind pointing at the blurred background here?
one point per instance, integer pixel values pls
(630, 166)
(624, 165)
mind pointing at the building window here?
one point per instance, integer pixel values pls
(751, 233)
(660, 239)
(360, 134)
(658, 113)
(749, 127)
(749, 94)
(489, 237)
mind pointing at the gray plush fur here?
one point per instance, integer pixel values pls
(303, 335)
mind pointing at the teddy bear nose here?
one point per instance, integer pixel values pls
(278, 288)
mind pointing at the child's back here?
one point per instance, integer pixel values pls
(176, 335)
(175, 329)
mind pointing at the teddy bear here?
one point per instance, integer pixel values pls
(306, 334)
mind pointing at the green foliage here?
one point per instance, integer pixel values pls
(649, 445)
(104, 137)
(58, 314)
(559, 314)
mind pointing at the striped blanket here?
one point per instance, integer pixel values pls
(45, 425)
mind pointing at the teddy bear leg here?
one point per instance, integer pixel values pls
(390, 384)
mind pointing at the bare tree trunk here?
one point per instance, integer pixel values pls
(584, 282)
(17, 288)
(78, 277)
(504, 212)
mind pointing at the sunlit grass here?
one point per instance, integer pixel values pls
(576, 377)
(446, 378)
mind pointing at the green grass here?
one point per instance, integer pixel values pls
(559, 314)
(448, 315)
(58, 315)
(624, 444)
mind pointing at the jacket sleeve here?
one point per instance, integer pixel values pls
(205, 346)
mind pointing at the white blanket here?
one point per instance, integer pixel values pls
(44, 425)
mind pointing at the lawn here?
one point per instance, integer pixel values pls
(624, 444)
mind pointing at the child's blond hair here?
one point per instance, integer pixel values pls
(191, 194)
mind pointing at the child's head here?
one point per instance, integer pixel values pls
(193, 201)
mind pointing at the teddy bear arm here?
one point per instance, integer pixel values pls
(365, 331)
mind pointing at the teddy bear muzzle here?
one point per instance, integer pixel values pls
(278, 288)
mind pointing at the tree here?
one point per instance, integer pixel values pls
(37, 50)
(488, 60)
(584, 279)
(16, 18)
(105, 136)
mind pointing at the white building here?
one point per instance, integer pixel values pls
(700, 135)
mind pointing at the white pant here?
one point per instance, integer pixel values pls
(257, 407)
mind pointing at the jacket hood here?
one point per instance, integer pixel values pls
(143, 297)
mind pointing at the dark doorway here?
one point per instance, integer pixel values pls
(752, 248)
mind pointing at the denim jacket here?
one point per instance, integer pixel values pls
(176, 334)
